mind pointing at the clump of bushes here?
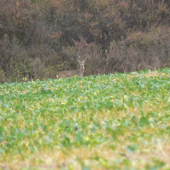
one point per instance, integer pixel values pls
(37, 38)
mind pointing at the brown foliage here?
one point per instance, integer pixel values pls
(39, 38)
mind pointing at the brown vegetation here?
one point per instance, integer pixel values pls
(39, 38)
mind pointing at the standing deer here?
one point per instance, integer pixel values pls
(2, 75)
(70, 73)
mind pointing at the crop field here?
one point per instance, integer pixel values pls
(119, 121)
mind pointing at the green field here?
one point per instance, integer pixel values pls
(117, 121)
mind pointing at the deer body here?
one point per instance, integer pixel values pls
(70, 73)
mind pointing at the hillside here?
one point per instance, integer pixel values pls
(39, 38)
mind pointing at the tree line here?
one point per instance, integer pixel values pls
(39, 38)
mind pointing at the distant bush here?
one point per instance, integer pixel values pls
(37, 37)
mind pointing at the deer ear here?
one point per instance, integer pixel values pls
(85, 59)
(78, 58)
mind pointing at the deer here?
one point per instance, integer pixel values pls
(71, 73)
(2, 75)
